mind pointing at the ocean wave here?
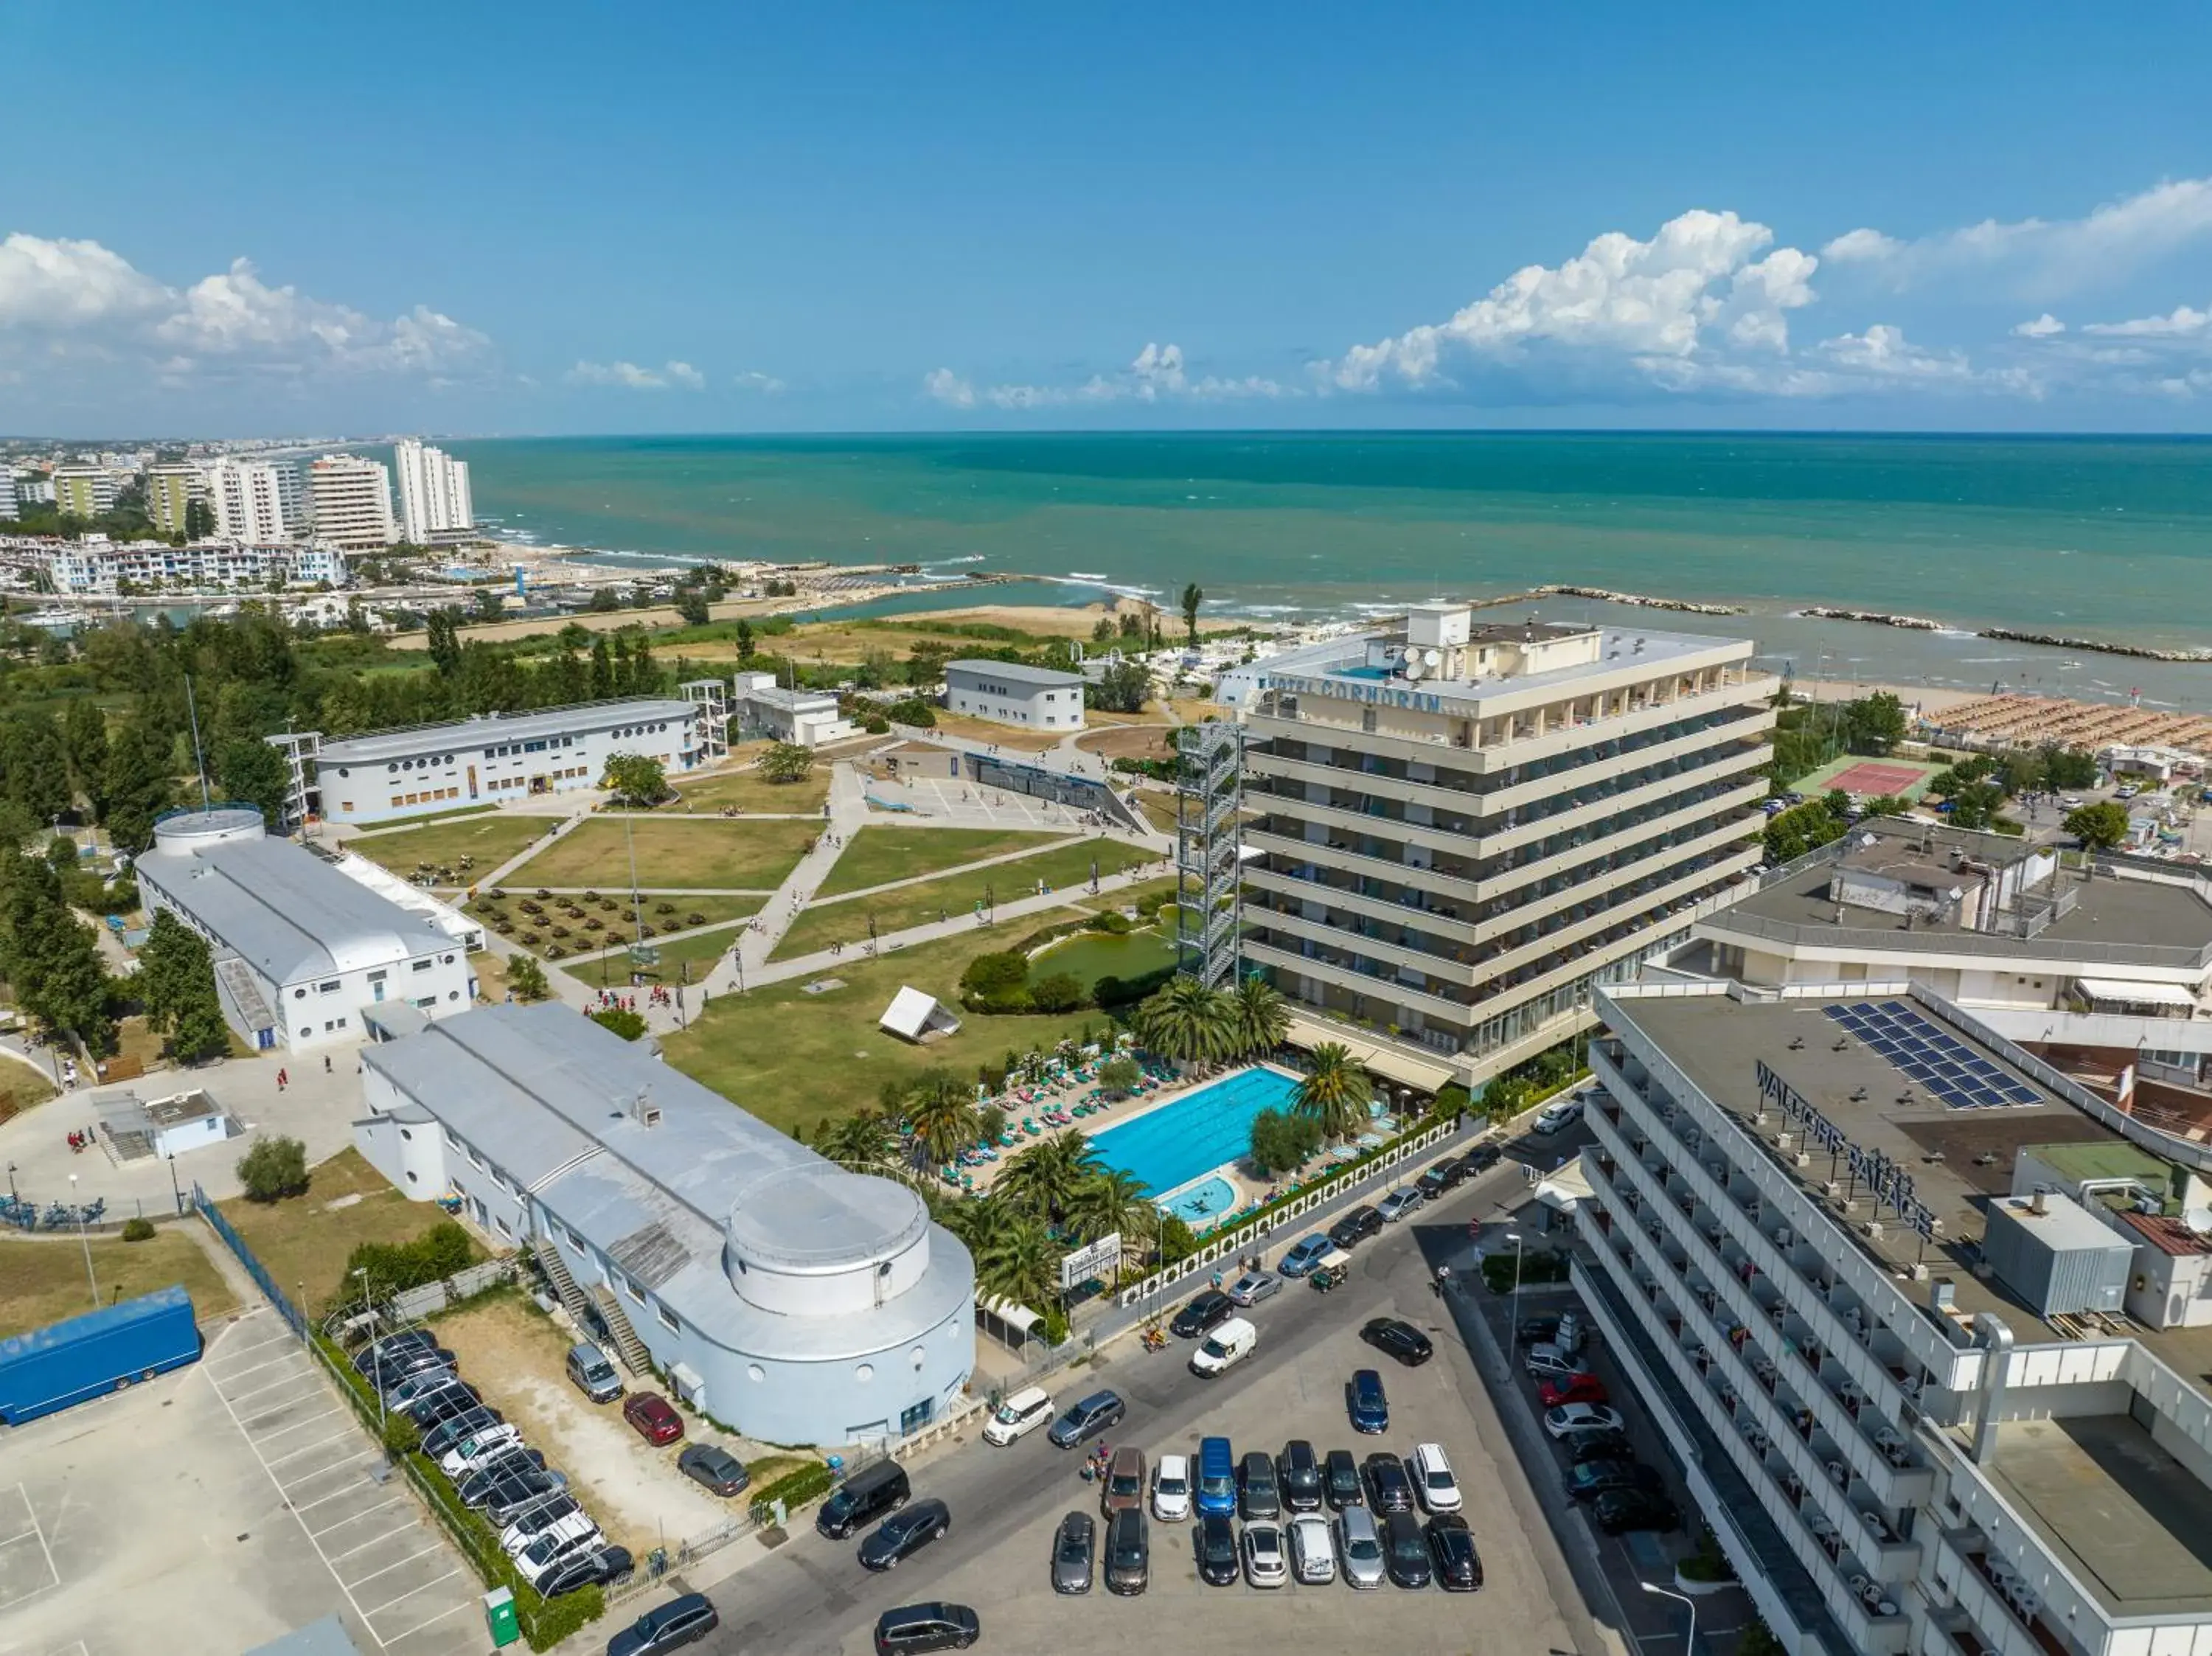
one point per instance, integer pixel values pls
(1086, 574)
(939, 563)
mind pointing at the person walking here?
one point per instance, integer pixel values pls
(282, 1077)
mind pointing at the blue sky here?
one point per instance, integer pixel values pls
(481, 218)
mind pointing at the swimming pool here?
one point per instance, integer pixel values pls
(1196, 1133)
(1206, 1202)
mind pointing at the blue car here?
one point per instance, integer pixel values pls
(1370, 1410)
(1217, 1478)
(1305, 1255)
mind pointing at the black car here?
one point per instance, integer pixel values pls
(1617, 1512)
(1298, 1469)
(1388, 1489)
(1203, 1314)
(387, 1368)
(1598, 1445)
(1086, 1419)
(409, 1339)
(904, 1533)
(1441, 1177)
(1072, 1545)
(679, 1621)
(1214, 1541)
(448, 1434)
(1258, 1496)
(713, 1468)
(510, 1474)
(925, 1627)
(1538, 1330)
(1340, 1481)
(1355, 1227)
(1480, 1158)
(1592, 1478)
(1129, 1552)
(1396, 1338)
(1451, 1550)
(602, 1567)
(441, 1406)
(1405, 1551)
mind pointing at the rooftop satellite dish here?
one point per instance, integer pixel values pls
(2199, 1220)
(1412, 668)
(1433, 656)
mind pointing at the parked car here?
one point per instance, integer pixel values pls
(1214, 1544)
(1571, 1417)
(1297, 1470)
(653, 1417)
(555, 1550)
(1125, 1480)
(449, 1404)
(1480, 1159)
(1018, 1415)
(1128, 1553)
(1217, 1476)
(1313, 1550)
(1557, 1116)
(1265, 1563)
(1599, 1445)
(713, 1468)
(1094, 1415)
(1355, 1227)
(514, 1495)
(1589, 1479)
(1364, 1399)
(1433, 1482)
(1072, 1545)
(1446, 1175)
(448, 1432)
(1542, 1329)
(383, 1370)
(1399, 1203)
(1546, 1361)
(914, 1628)
(1226, 1346)
(862, 1498)
(1451, 1550)
(593, 1374)
(905, 1533)
(1405, 1551)
(555, 1515)
(1395, 1337)
(1340, 1481)
(1305, 1254)
(1388, 1489)
(1572, 1388)
(678, 1622)
(1172, 1489)
(1204, 1313)
(508, 1481)
(1359, 1548)
(407, 1339)
(404, 1394)
(1617, 1511)
(1258, 1494)
(486, 1444)
(1255, 1286)
(599, 1566)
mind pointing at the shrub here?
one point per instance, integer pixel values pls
(1120, 1075)
(989, 975)
(393, 1267)
(402, 1437)
(794, 1489)
(878, 725)
(1060, 992)
(273, 1168)
(1113, 922)
(695, 919)
(138, 1230)
(624, 1022)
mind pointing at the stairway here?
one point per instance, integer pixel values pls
(234, 979)
(628, 1346)
(572, 1297)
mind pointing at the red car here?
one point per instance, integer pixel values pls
(656, 1423)
(1574, 1388)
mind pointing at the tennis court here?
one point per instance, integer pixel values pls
(1871, 777)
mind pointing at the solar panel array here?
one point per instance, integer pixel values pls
(1925, 1052)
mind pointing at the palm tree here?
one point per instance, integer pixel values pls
(940, 1107)
(1111, 1200)
(1263, 1018)
(862, 1140)
(1336, 1091)
(1040, 1181)
(1020, 1262)
(1186, 1022)
(1192, 598)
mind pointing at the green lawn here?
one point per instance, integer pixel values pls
(490, 840)
(878, 853)
(739, 785)
(304, 1241)
(1064, 866)
(701, 850)
(617, 925)
(41, 1283)
(792, 1057)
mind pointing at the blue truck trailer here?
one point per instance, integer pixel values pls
(84, 1357)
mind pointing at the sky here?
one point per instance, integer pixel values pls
(565, 218)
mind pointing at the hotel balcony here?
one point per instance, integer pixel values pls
(1386, 994)
(1992, 1612)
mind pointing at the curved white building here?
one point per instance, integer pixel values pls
(790, 1299)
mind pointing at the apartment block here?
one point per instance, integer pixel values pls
(256, 500)
(83, 491)
(350, 499)
(169, 490)
(433, 494)
(97, 567)
(1459, 829)
(1872, 1269)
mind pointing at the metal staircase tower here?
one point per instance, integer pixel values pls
(1209, 846)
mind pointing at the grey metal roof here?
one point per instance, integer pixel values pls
(474, 732)
(1336, 666)
(285, 912)
(1047, 678)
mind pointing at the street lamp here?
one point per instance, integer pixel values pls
(375, 1369)
(1513, 1237)
(87, 1240)
(1689, 1644)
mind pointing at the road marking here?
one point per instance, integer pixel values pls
(335, 1466)
(253, 1367)
(31, 1512)
(411, 1558)
(397, 1529)
(318, 1500)
(355, 1517)
(320, 1415)
(465, 1603)
(320, 1442)
(275, 1384)
(402, 1597)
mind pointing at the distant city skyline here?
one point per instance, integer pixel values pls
(859, 219)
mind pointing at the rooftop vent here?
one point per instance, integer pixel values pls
(1841, 1045)
(1858, 1094)
(1796, 1043)
(643, 1110)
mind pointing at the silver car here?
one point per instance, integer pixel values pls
(1313, 1550)
(1073, 1550)
(1253, 1287)
(1398, 1203)
(1264, 1563)
(1358, 1548)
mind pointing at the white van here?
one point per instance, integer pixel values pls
(1231, 1342)
(1018, 1415)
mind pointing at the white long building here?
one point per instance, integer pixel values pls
(97, 567)
(433, 494)
(351, 499)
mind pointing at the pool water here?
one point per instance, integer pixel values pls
(1206, 1202)
(1193, 1135)
(1090, 955)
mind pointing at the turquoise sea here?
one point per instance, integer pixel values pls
(2104, 538)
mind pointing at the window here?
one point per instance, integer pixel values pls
(329, 988)
(668, 1319)
(476, 1161)
(345, 805)
(377, 976)
(505, 1229)
(630, 1288)
(298, 994)
(306, 1030)
(422, 965)
(445, 959)
(391, 768)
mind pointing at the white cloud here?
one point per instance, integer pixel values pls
(631, 376)
(79, 293)
(753, 379)
(1157, 374)
(2182, 322)
(1695, 284)
(949, 388)
(2045, 326)
(1883, 357)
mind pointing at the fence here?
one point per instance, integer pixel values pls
(276, 1297)
(413, 1304)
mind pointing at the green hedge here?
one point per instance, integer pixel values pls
(794, 1489)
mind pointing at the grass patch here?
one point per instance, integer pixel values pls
(878, 854)
(1010, 736)
(42, 1283)
(956, 894)
(791, 1057)
(489, 840)
(705, 852)
(738, 784)
(699, 950)
(1160, 812)
(22, 1088)
(304, 1241)
(617, 925)
(1128, 897)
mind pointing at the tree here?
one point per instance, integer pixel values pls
(634, 779)
(743, 635)
(1109, 1202)
(602, 666)
(629, 1025)
(445, 641)
(1281, 1142)
(1060, 991)
(50, 957)
(34, 765)
(863, 1139)
(1335, 1092)
(784, 761)
(940, 1108)
(1192, 598)
(201, 1031)
(138, 787)
(199, 520)
(1188, 1022)
(995, 980)
(273, 1168)
(1874, 725)
(1020, 1262)
(1262, 1018)
(691, 607)
(1102, 633)
(1042, 1180)
(526, 978)
(256, 773)
(2098, 827)
(1120, 1075)
(1121, 688)
(84, 732)
(171, 963)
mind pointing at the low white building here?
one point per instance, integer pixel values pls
(300, 949)
(97, 567)
(1005, 693)
(809, 718)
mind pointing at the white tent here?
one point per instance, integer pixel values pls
(914, 1016)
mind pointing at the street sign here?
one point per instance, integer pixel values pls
(1100, 1258)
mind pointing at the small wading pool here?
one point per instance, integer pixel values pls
(1167, 1148)
(1203, 1204)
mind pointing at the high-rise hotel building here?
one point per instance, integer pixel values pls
(351, 499)
(1460, 828)
(433, 494)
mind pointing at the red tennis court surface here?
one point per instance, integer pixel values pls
(1871, 780)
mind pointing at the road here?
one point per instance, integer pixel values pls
(811, 1596)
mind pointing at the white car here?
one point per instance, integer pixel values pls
(1557, 1116)
(1253, 1287)
(486, 1446)
(1264, 1563)
(1546, 1360)
(573, 1522)
(1018, 1415)
(1569, 1418)
(1398, 1203)
(1172, 1489)
(1313, 1550)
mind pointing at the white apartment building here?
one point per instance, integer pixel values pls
(97, 567)
(433, 494)
(1030, 698)
(1906, 1388)
(350, 499)
(252, 501)
(1461, 829)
